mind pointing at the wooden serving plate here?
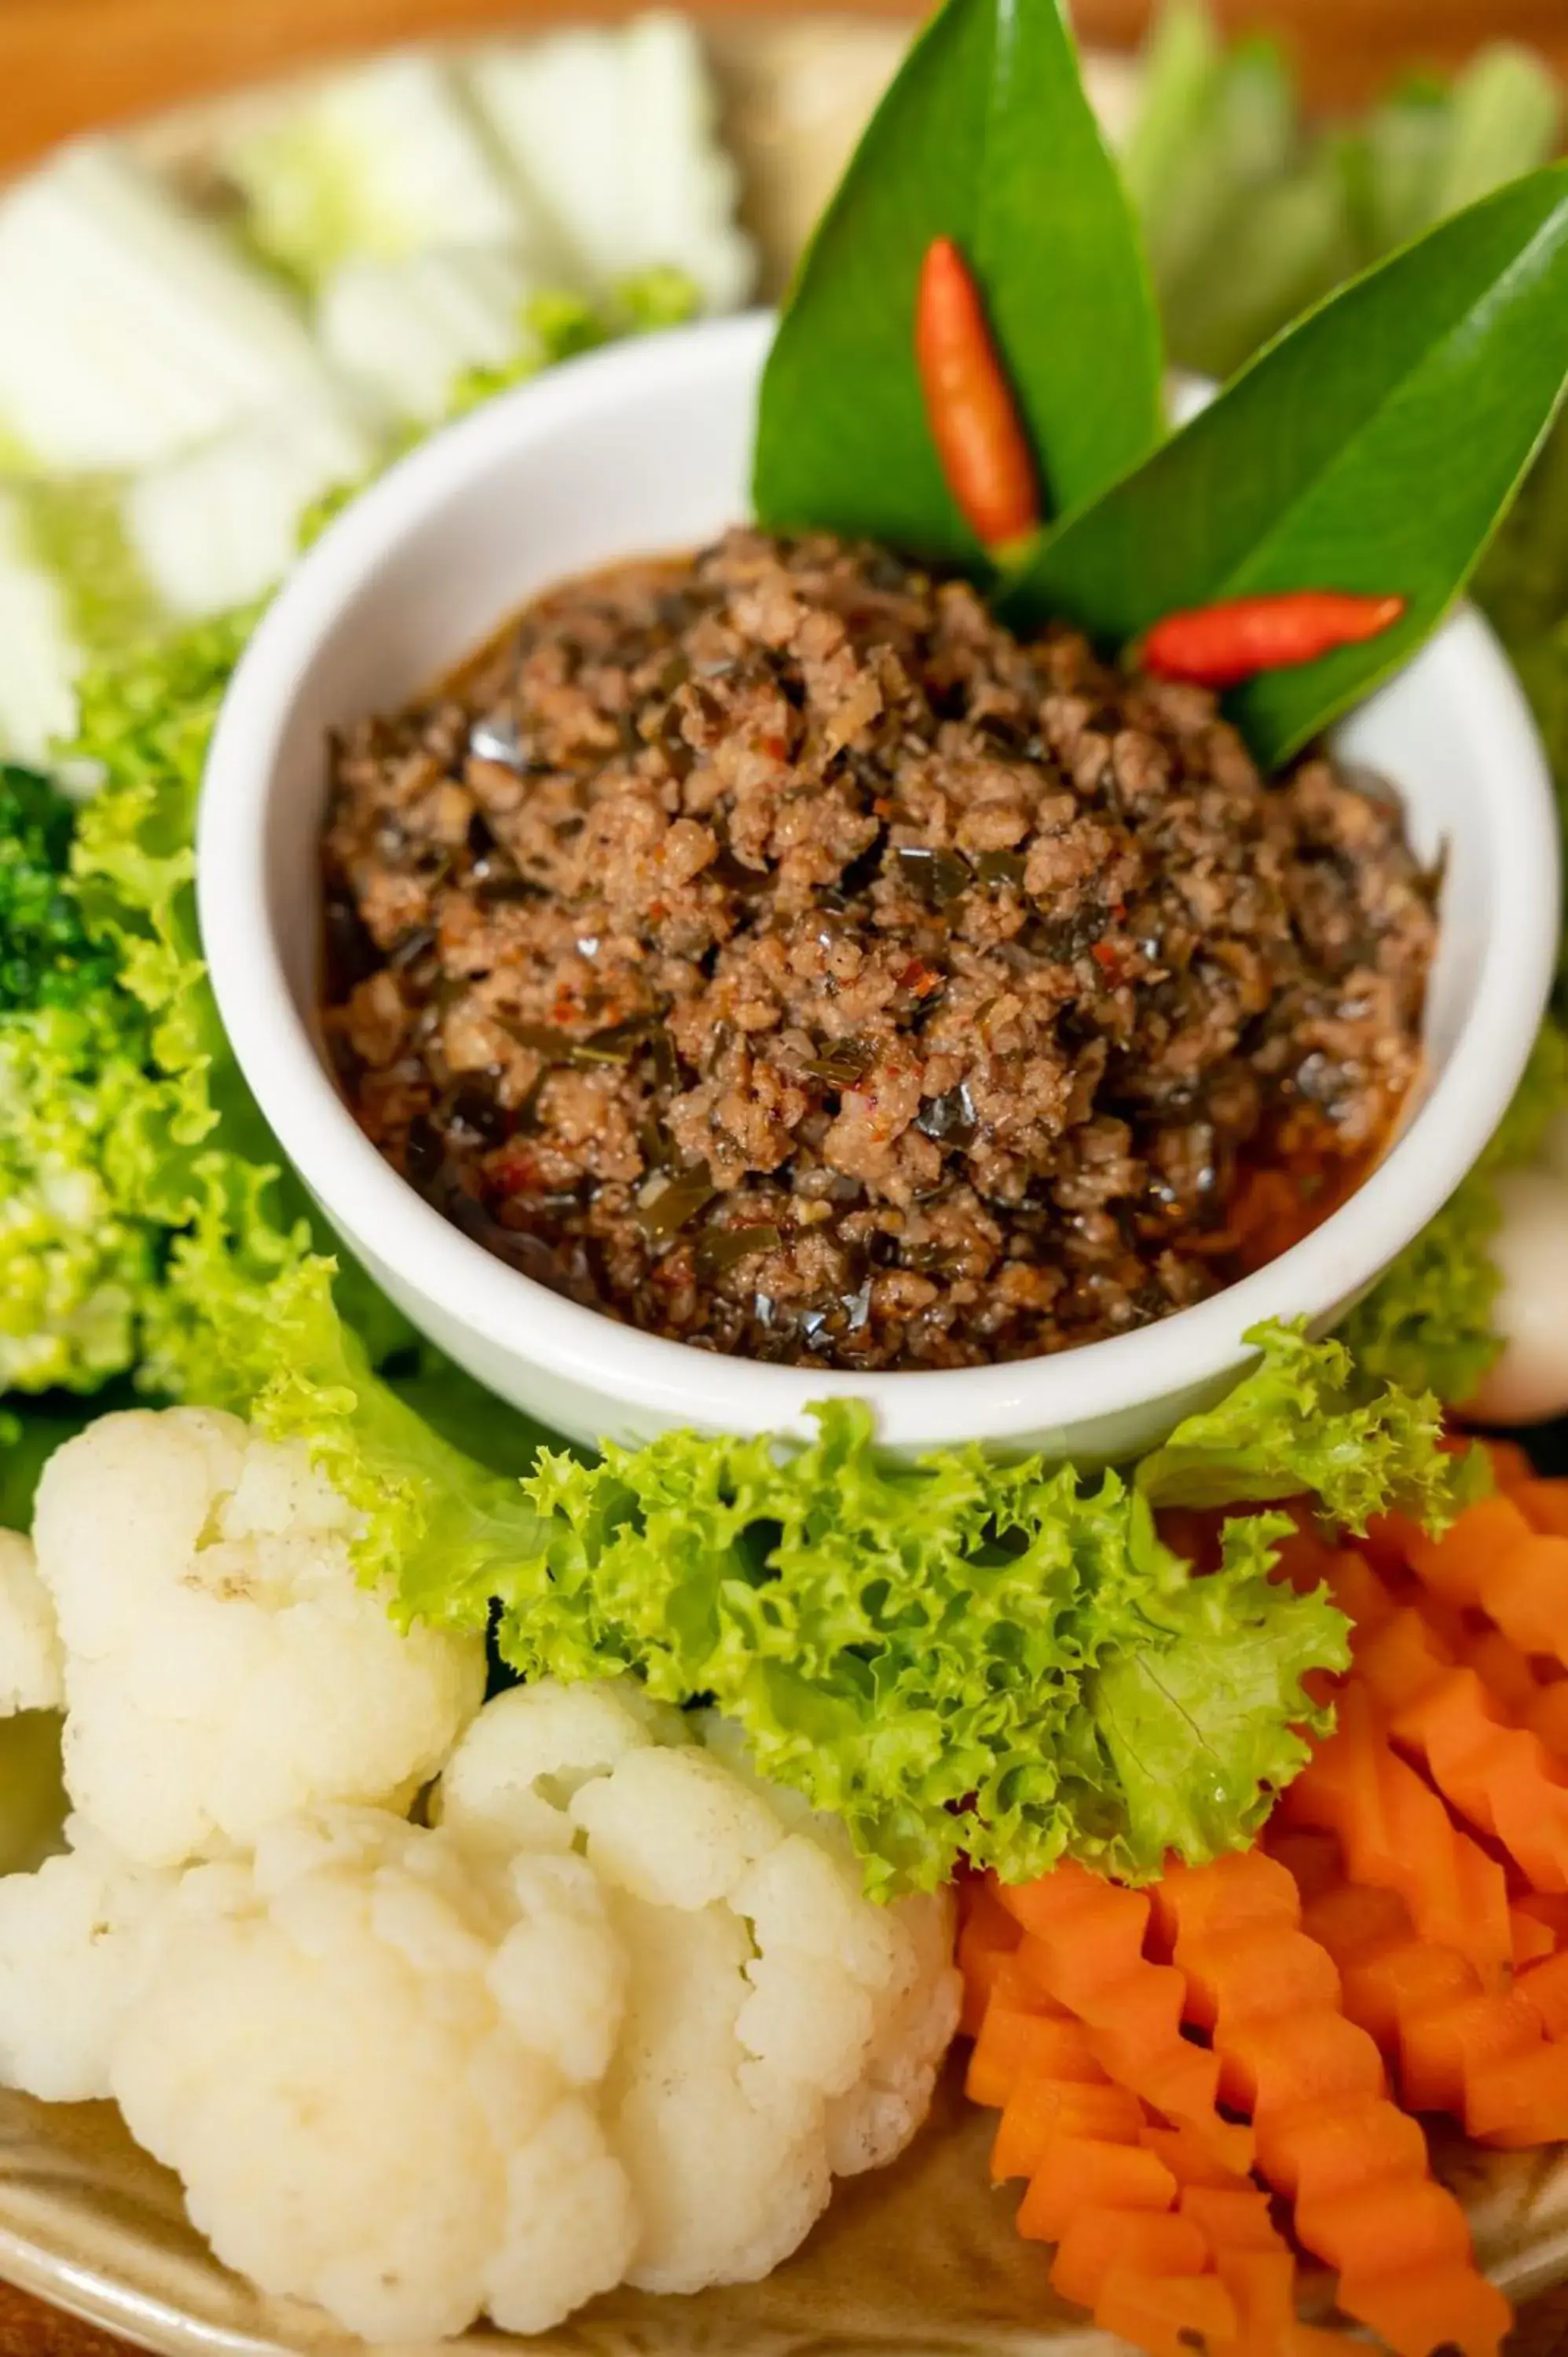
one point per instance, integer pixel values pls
(923, 2260)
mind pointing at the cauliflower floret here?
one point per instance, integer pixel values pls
(223, 1666)
(519, 1767)
(729, 2176)
(335, 2057)
(610, 2017)
(31, 1666)
(77, 1941)
(780, 2027)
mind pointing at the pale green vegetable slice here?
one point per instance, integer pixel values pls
(40, 655)
(406, 331)
(217, 526)
(383, 160)
(1507, 118)
(614, 134)
(128, 326)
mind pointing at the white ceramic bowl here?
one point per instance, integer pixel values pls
(646, 448)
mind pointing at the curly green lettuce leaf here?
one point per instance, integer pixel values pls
(1204, 1731)
(1309, 1420)
(962, 1658)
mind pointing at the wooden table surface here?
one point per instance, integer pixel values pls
(69, 64)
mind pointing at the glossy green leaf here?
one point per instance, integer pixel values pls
(1374, 448)
(985, 137)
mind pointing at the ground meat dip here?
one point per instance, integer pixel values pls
(770, 950)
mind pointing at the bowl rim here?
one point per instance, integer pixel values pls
(679, 1381)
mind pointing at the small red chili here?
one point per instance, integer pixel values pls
(1108, 960)
(974, 422)
(1220, 646)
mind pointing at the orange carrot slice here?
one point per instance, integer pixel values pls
(1086, 1938)
(1099, 2242)
(1397, 1836)
(1545, 1988)
(1355, 2167)
(1544, 1504)
(1512, 1468)
(1167, 2316)
(1492, 1561)
(1013, 2046)
(1498, 1777)
(1042, 2111)
(1087, 2173)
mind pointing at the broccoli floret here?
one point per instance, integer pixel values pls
(47, 959)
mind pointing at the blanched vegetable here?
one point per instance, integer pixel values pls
(223, 1665)
(381, 160)
(41, 656)
(128, 327)
(1251, 213)
(613, 134)
(218, 526)
(616, 2016)
(406, 330)
(77, 1939)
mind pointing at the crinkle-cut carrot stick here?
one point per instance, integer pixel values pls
(1520, 2101)
(1013, 2046)
(1535, 1936)
(1491, 1561)
(1511, 1464)
(1042, 2111)
(1096, 2243)
(1250, 2257)
(1085, 1936)
(1081, 2173)
(1502, 1668)
(1498, 1777)
(1360, 1590)
(1168, 2315)
(1355, 2167)
(1312, 1860)
(1445, 2037)
(983, 1922)
(1397, 1836)
(1544, 1504)
(1545, 1987)
(1304, 1560)
(1546, 1716)
(987, 1936)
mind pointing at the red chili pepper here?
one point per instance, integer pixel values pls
(975, 422)
(1220, 646)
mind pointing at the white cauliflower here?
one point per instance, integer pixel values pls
(77, 1941)
(31, 1665)
(338, 2055)
(610, 2017)
(223, 1668)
